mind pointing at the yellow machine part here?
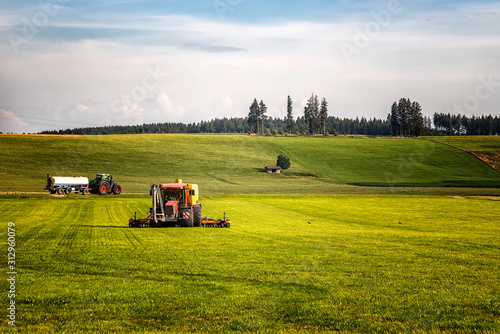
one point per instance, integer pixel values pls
(193, 194)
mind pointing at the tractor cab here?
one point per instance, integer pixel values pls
(185, 194)
(103, 177)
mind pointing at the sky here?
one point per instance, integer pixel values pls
(68, 64)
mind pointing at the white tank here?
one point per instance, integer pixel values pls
(68, 181)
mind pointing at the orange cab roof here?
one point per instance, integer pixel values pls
(173, 186)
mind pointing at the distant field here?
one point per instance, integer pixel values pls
(295, 264)
(388, 162)
(224, 164)
(486, 148)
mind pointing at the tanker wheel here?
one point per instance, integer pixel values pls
(117, 189)
(85, 191)
(197, 216)
(103, 188)
(67, 191)
(60, 191)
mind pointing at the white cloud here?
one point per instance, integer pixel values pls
(165, 103)
(10, 118)
(81, 108)
(216, 68)
(10, 122)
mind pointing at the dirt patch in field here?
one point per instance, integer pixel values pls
(487, 198)
(56, 195)
(457, 197)
(490, 158)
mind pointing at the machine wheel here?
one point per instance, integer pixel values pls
(67, 191)
(197, 215)
(60, 191)
(85, 191)
(103, 188)
(117, 189)
(188, 220)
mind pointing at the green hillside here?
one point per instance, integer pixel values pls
(487, 148)
(234, 163)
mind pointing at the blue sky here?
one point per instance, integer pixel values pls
(67, 64)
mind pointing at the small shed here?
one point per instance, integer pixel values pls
(273, 169)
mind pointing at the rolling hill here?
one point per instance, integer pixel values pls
(234, 163)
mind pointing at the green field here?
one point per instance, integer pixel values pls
(365, 263)
(361, 235)
(223, 164)
(486, 148)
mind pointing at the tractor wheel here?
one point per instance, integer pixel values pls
(197, 215)
(60, 191)
(117, 189)
(187, 221)
(103, 188)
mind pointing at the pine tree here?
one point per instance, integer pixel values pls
(404, 109)
(311, 113)
(394, 119)
(262, 115)
(416, 119)
(253, 116)
(323, 115)
(289, 115)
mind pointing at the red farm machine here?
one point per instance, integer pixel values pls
(176, 204)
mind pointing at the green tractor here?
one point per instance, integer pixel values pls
(104, 184)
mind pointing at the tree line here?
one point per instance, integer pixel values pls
(272, 126)
(404, 119)
(454, 125)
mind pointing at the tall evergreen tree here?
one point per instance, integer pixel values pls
(394, 119)
(404, 109)
(289, 115)
(406, 118)
(323, 115)
(311, 114)
(308, 114)
(316, 125)
(253, 116)
(416, 119)
(262, 115)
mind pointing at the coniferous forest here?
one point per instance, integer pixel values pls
(405, 119)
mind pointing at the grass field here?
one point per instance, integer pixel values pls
(376, 241)
(223, 164)
(486, 148)
(370, 263)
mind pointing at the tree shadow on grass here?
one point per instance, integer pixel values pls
(260, 170)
